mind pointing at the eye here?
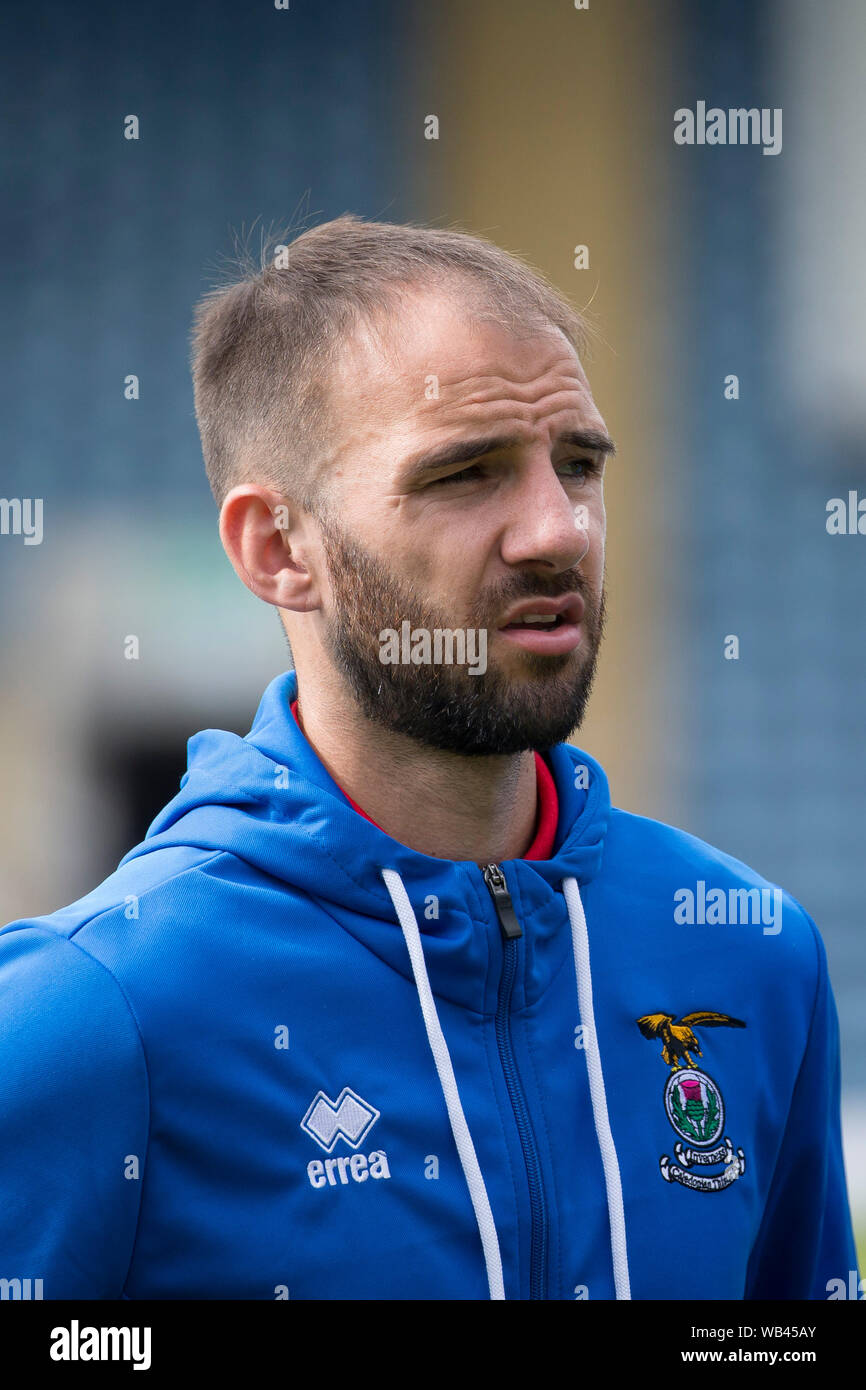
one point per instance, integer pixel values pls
(459, 477)
(578, 469)
(583, 468)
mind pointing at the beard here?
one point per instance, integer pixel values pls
(444, 706)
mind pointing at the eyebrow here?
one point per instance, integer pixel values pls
(465, 450)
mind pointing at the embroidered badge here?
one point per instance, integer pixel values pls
(693, 1103)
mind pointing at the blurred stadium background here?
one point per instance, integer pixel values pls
(556, 129)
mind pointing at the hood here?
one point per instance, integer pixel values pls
(268, 799)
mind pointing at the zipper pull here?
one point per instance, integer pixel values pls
(495, 880)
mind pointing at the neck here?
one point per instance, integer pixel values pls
(442, 804)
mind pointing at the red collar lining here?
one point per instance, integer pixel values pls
(546, 818)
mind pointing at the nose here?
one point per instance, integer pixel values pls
(548, 523)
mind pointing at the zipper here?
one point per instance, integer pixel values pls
(511, 932)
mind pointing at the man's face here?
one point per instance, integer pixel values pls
(515, 519)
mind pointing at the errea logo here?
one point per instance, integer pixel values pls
(338, 1170)
(349, 1118)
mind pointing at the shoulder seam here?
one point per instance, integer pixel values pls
(154, 888)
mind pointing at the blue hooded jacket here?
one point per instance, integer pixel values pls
(278, 1054)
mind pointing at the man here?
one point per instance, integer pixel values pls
(391, 1003)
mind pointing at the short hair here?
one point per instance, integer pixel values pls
(264, 345)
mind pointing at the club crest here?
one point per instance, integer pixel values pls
(693, 1103)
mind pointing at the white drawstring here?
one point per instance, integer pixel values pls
(447, 1080)
(610, 1162)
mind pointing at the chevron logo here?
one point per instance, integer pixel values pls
(348, 1117)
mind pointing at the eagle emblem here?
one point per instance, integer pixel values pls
(693, 1102)
(678, 1038)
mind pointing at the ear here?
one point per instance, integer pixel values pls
(270, 544)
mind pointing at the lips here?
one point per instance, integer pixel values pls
(545, 614)
(550, 627)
